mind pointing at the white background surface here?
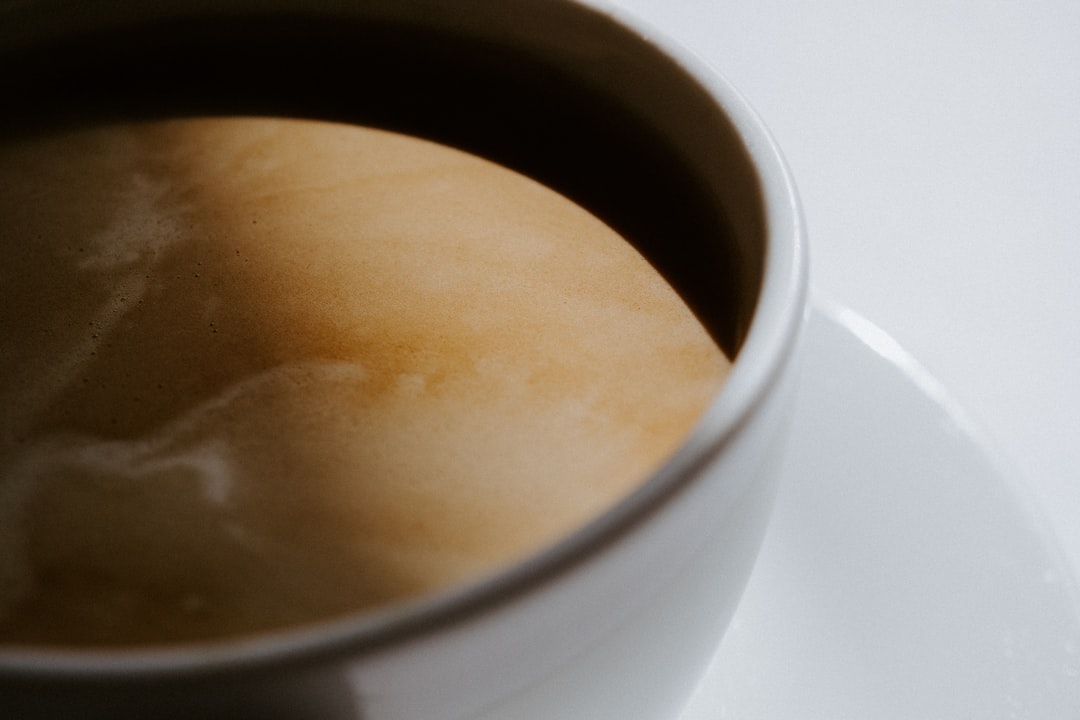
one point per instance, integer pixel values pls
(936, 146)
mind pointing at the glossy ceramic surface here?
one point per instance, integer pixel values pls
(620, 617)
(905, 574)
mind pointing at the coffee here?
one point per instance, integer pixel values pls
(260, 372)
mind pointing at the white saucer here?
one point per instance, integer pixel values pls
(905, 574)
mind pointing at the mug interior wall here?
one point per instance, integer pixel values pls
(592, 111)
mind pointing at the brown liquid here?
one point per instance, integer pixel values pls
(260, 372)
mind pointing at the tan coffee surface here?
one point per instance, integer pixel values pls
(257, 372)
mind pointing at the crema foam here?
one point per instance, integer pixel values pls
(261, 372)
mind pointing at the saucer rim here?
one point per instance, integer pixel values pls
(877, 345)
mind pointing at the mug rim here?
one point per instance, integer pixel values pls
(763, 355)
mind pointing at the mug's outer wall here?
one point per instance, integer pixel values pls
(622, 629)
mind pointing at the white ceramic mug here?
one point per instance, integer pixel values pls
(619, 619)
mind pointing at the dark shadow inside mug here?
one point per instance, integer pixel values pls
(551, 97)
